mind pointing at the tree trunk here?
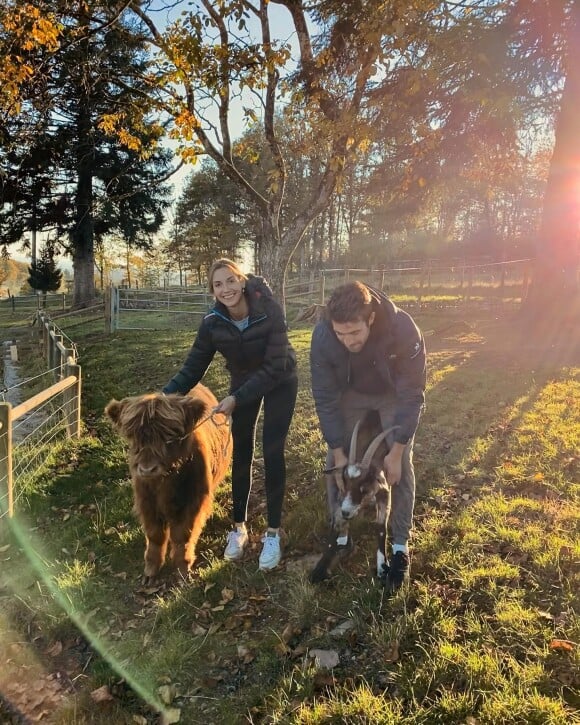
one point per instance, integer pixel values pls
(83, 233)
(276, 253)
(555, 285)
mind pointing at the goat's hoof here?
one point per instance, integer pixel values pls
(319, 574)
(382, 575)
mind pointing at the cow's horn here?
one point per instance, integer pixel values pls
(373, 445)
(352, 452)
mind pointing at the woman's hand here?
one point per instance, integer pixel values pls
(226, 406)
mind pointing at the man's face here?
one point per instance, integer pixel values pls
(353, 335)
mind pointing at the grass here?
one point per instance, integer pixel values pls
(488, 632)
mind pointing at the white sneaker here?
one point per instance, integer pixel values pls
(237, 540)
(271, 553)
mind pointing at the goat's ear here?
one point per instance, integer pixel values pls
(113, 410)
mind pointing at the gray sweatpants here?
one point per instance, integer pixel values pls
(354, 406)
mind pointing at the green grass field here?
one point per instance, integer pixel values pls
(488, 633)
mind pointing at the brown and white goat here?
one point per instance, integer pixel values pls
(356, 483)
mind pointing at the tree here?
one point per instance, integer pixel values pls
(43, 274)
(102, 182)
(555, 287)
(334, 86)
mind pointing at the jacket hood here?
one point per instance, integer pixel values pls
(257, 286)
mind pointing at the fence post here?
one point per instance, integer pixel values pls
(468, 294)
(72, 400)
(114, 309)
(56, 355)
(68, 354)
(322, 288)
(525, 281)
(107, 308)
(501, 284)
(421, 284)
(6, 459)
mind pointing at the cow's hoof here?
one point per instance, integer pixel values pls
(149, 580)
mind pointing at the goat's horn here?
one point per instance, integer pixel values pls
(352, 452)
(373, 445)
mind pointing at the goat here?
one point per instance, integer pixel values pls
(357, 482)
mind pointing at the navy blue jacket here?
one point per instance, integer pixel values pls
(398, 357)
(258, 358)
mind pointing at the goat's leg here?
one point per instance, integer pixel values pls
(340, 528)
(383, 501)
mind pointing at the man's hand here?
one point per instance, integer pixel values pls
(340, 461)
(393, 464)
(226, 406)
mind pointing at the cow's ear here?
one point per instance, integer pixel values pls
(194, 409)
(113, 410)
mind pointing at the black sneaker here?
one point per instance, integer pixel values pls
(398, 572)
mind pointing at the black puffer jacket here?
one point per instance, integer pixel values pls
(398, 355)
(258, 359)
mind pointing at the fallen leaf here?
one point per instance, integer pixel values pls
(289, 632)
(4, 548)
(227, 595)
(197, 630)
(167, 693)
(102, 694)
(170, 716)
(323, 679)
(563, 644)
(55, 650)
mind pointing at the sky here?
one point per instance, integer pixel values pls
(281, 27)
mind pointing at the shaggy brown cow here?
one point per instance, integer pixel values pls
(178, 454)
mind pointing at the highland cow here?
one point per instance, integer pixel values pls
(178, 454)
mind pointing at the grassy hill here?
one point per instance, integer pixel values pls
(487, 634)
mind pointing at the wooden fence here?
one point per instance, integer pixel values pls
(62, 365)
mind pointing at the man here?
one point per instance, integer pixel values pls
(367, 354)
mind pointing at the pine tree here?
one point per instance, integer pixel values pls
(107, 169)
(43, 274)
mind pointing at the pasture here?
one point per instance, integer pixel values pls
(487, 634)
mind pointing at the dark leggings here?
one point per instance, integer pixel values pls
(278, 409)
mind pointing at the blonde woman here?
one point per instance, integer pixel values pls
(247, 326)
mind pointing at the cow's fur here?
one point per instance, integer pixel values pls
(361, 481)
(178, 454)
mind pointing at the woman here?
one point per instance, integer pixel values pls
(247, 326)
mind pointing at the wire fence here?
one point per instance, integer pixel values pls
(429, 285)
(37, 413)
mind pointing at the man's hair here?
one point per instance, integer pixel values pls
(224, 264)
(350, 302)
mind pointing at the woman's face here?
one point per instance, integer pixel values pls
(227, 288)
